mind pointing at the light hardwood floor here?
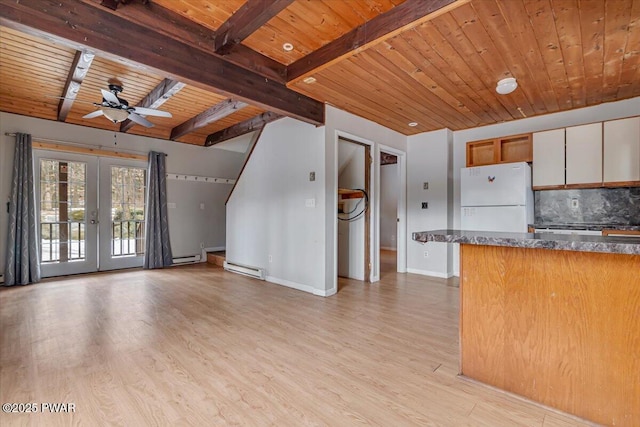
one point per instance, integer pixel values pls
(199, 346)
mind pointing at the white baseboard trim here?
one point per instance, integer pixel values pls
(394, 249)
(325, 293)
(187, 259)
(430, 273)
(290, 284)
(300, 286)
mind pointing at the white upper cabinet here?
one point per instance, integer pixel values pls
(622, 150)
(548, 158)
(584, 154)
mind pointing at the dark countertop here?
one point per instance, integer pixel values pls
(594, 227)
(566, 242)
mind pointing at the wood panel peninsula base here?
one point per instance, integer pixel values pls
(560, 327)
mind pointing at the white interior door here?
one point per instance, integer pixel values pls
(122, 213)
(67, 212)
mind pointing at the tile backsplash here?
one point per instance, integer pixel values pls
(619, 206)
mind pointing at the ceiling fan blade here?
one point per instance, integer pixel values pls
(110, 97)
(140, 120)
(150, 112)
(97, 113)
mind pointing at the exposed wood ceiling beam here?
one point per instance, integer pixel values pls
(245, 21)
(242, 128)
(78, 71)
(217, 112)
(154, 99)
(386, 25)
(84, 26)
(176, 26)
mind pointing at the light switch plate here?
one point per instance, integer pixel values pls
(312, 176)
(310, 203)
(425, 185)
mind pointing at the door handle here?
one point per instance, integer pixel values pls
(93, 221)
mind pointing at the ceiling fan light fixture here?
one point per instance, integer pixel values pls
(115, 115)
(506, 86)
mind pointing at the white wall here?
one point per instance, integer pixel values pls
(339, 122)
(267, 214)
(389, 182)
(602, 112)
(429, 160)
(351, 242)
(188, 224)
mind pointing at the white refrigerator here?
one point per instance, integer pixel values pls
(496, 197)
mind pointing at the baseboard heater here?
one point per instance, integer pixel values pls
(186, 260)
(255, 272)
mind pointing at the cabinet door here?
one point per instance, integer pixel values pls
(622, 150)
(584, 154)
(548, 158)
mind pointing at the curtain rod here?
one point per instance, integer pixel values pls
(56, 141)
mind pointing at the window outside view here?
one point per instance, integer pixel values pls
(62, 211)
(127, 210)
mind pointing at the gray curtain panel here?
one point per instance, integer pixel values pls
(158, 248)
(22, 261)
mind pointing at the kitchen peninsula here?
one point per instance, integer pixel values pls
(554, 318)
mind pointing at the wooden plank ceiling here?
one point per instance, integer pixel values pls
(218, 67)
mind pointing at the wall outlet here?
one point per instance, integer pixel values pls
(201, 245)
(425, 205)
(270, 258)
(575, 204)
(202, 206)
(310, 203)
(426, 254)
(425, 185)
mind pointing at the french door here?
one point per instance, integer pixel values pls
(91, 212)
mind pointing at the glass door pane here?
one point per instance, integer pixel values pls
(127, 211)
(123, 192)
(65, 209)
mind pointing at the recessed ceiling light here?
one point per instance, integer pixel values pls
(309, 80)
(506, 86)
(413, 124)
(287, 47)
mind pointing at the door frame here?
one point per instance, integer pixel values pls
(401, 233)
(368, 160)
(99, 250)
(105, 260)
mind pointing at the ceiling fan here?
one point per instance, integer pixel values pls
(117, 109)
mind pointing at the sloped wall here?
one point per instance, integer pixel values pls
(275, 216)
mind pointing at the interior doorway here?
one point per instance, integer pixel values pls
(353, 210)
(389, 194)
